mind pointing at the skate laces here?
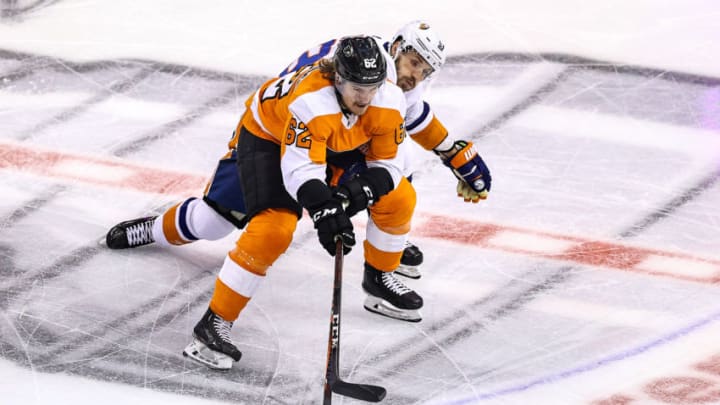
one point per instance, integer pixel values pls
(393, 284)
(222, 328)
(141, 233)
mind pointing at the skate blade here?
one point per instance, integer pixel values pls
(382, 307)
(202, 354)
(408, 271)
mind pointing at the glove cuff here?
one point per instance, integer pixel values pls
(464, 155)
(313, 194)
(380, 180)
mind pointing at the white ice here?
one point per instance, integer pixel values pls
(590, 275)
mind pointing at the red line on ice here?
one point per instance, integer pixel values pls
(136, 177)
(585, 251)
(579, 250)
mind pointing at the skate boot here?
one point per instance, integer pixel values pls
(410, 261)
(130, 234)
(211, 345)
(388, 296)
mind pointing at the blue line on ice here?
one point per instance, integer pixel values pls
(553, 378)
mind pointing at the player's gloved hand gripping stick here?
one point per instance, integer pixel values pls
(328, 215)
(331, 211)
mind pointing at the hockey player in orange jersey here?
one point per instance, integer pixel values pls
(413, 58)
(293, 126)
(414, 55)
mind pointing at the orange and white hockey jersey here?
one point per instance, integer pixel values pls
(301, 112)
(420, 121)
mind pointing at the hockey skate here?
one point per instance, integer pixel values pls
(388, 296)
(130, 234)
(211, 345)
(410, 261)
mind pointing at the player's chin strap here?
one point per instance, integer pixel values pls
(343, 108)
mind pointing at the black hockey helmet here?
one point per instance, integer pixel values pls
(359, 60)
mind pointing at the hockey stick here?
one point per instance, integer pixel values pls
(333, 383)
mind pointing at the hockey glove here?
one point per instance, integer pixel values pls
(468, 194)
(469, 168)
(364, 190)
(328, 215)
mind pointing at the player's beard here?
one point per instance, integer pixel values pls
(406, 83)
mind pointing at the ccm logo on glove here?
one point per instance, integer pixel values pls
(325, 212)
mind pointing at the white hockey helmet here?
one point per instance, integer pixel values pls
(418, 36)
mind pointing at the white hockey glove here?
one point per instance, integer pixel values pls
(473, 175)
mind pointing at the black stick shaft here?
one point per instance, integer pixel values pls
(333, 358)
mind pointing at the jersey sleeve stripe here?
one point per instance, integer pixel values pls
(423, 116)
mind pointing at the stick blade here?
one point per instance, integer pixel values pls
(364, 392)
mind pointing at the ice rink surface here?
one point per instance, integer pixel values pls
(590, 276)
